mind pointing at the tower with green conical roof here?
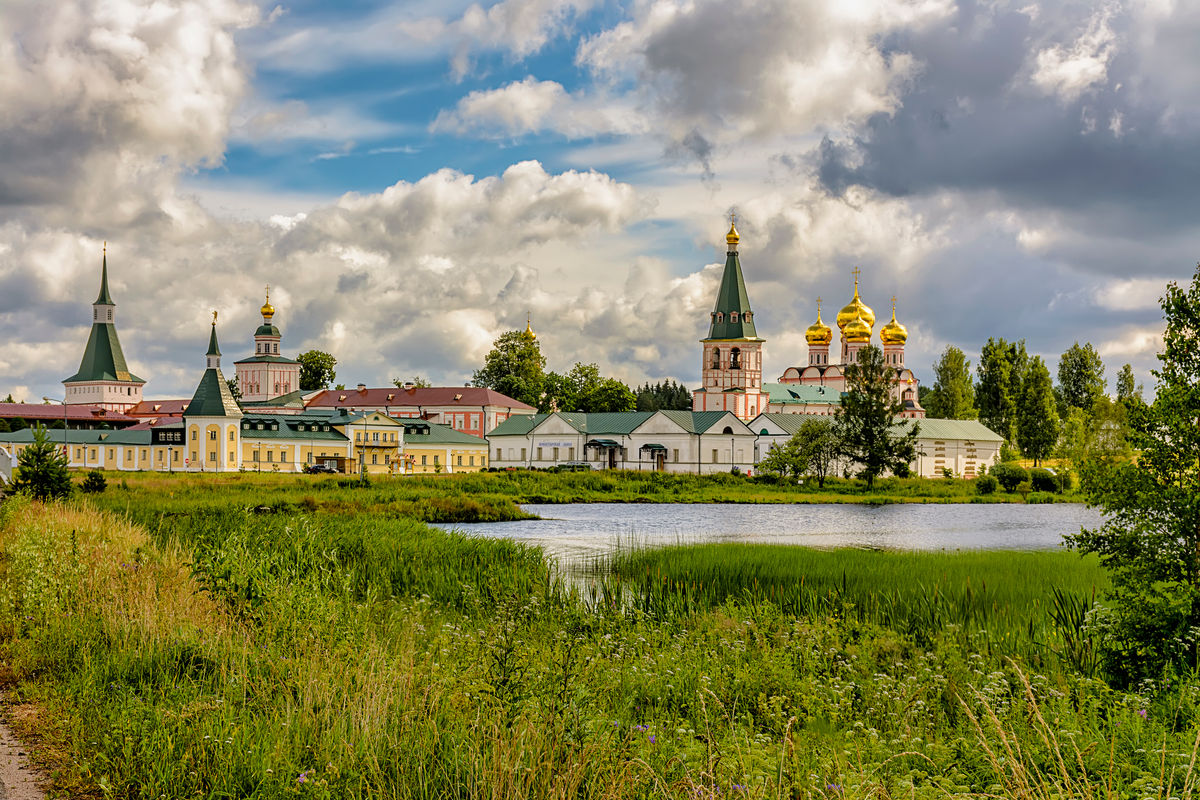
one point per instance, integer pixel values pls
(212, 418)
(103, 378)
(731, 366)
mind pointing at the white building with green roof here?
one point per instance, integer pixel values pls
(698, 442)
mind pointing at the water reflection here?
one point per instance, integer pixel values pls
(575, 533)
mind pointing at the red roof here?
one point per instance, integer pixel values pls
(159, 408)
(466, 396)
(53, 411)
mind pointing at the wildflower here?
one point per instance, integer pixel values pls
(652, 739)
(1141, 712)
(303, 777)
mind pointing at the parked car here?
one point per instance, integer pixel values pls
(313, 469)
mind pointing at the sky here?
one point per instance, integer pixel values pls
(414, 178)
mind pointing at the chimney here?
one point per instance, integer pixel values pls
(362, 387)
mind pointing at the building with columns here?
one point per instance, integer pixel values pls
(267, 374)
(731, 356)
(103, 380)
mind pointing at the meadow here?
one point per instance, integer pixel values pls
(181, 637)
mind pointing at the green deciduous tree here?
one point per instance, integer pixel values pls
(42, 468)
(1149, 539)
(1037, 415)
(514, 366)
(1127, 392)
(784, 459)
(1080, 377)
(234, 389)
(611, 395)
(416, 381)
(866, 417)
(1001, 374)
(953, 394)
(820, 440)
(316, 370)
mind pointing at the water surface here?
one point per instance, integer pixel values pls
(576, 532)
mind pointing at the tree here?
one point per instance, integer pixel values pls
(234, 389)
(1101, 434)
(417, 381)
(4, 426)
(611, 395)
(665, 396)
(784, 460)
(820, 441)
(1080, 377)
(514, 366)
(9, 398)
(1001, 374)
(1037, 418)
(1126, 391)
(316, 370)
(42, 469)
(953, 394)
(17, 424)
(1149, 539)
(868, 412)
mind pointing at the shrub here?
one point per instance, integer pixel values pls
(1043, 480)
(1009, 475)
(42, 469)
(94, 482)
(947, 472)
(986, 484)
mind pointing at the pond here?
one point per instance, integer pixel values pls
(574, 533)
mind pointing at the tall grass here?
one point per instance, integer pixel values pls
(273, 650)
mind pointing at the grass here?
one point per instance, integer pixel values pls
(287, 639)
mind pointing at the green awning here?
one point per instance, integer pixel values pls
(652, 446)
(601, 443)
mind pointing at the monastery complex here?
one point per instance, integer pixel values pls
(274, 426)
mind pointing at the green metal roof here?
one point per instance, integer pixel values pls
(442, 434)
(695, 421)
(85, 437)
(732, 298)
(104, 298)
(969, 429)
(288, 426)
(213, 349)
(789, 422)
(619, 422)
(267, 330)
(601, 443)
(800, 393)
(289, 400)
(212, 397)
(103, 359)
(518, 425)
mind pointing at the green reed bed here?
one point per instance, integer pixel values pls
(1031, 603)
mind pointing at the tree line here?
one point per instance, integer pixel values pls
(1014, 395)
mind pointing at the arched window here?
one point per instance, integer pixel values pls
(748, 316)
(735, 358)
(716, 358)
(727, 430)
(733, 316)
(720, 317)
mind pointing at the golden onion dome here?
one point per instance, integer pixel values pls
(732, 237)
(267, 309)
(893, 332)
(819, 333)
(855, 309)
(529, 334)
(857, 330)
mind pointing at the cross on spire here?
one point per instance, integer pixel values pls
(856, 272)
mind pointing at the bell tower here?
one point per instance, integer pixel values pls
(731, 355)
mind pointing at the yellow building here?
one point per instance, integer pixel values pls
(431, 449)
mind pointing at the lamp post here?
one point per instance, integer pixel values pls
(63, 403)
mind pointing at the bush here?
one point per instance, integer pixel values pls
(1043, 480)
(94, 482)
(986, 484)
(1010, 475)
(947, 472)
(42, 469)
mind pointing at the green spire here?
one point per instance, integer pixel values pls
(732, 299)
(105, 298)
(213, 350)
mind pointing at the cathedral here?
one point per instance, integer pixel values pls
(731, 355)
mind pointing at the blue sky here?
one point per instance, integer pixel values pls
(414, 178)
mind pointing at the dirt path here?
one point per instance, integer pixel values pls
(18, 780)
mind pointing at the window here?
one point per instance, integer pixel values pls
(714, 456)
(471, 459)
(460, 461)
(175, 456)
(387, 458)
(570, 454)
(720, 317)
(375, 437)
(556, 454)
(735, 358)
(733, 316)
(270, 456)
(539, 454)
(193, 434)
(435, 460)
(374, 458)
(522, 453)
(423, 460)
(716, 358)
(231, 434)
(255, 455)
(675, 456)
(499, 457)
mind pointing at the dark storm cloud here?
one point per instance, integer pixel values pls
(1120, 156)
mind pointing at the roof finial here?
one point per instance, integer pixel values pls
(105, 251)
(893, 306)
(818, 308)
(732, 238)
(529, 334)
(214, 318)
